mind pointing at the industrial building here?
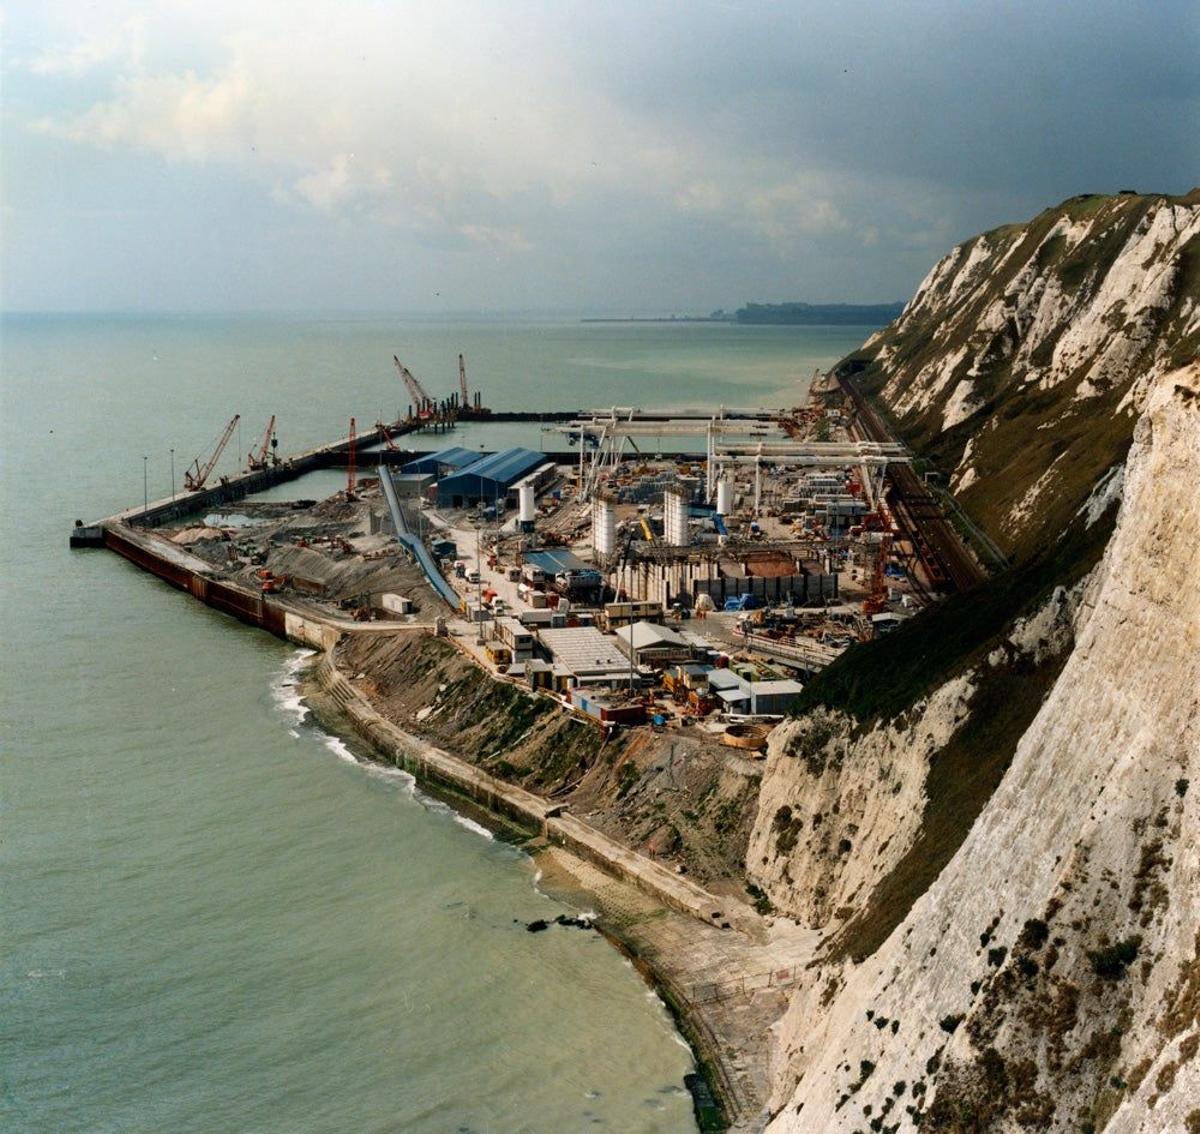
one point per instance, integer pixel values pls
(410, 486)
(654, 645)
(443, 462)
(566, 573)
(740, 694)
(491, 479)
(588, 655)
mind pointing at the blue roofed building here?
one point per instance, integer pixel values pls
(491, 479)
(443, 462)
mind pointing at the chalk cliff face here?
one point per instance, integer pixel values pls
(994, 814)
(1021, 362)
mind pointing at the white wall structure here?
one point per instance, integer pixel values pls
(527, 504)
(675, 518)
(604, 527)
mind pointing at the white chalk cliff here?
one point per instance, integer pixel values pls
(1006, 864)
(1030, 348)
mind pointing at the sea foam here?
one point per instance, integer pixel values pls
(285, 694)
(287, 699)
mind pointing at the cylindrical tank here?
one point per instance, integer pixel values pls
(675, 526)
(724, 498)
(604, 527)
(526, 504)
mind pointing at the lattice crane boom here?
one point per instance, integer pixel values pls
(462, 383)
(194, 481)
(352, 464)
(257, 460)
(387, 437)
(421, 399)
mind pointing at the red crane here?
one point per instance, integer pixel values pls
(422, 402)
(387, 437)
(257, 460)
(462, 383)
(194, 481)
(352, 466)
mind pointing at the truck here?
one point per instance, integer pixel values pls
(740, 603)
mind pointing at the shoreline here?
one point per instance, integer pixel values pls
(719, 966)
(724, 988)
(560, 875)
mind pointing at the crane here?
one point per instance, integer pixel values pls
(462, 383)
(194, 481)
(422, 402)
(352, 466)
(257, 460)
(387, 437)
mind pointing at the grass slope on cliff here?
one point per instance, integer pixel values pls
(1018, 365)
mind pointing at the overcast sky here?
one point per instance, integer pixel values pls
(608, 156)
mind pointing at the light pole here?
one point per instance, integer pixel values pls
(145, 487)
(172, 476)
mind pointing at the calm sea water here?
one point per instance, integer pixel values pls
(214, 918)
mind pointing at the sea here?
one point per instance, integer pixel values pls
(214, 915)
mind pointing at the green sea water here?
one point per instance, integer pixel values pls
(213, 915)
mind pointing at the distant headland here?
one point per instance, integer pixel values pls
(783, 314)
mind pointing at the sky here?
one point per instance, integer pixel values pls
(610, 157)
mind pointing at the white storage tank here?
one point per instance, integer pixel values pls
(675, 518)
(526, 504)
(724, 498)
(604, 527)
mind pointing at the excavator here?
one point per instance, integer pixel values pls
(193, 481)
(257, 460)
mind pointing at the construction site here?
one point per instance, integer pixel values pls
(641, 567)
(584, 640)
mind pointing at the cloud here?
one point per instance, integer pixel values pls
(430, 119)
(512, 239)
(835, 150)
(789, 212)
(124, 44)
(182, 117)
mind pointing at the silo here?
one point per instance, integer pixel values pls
(604, 526)
(724, 497)
(675, 518)
(526, 504)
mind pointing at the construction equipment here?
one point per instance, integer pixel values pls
(462, 383)
(876, 601)
(423, 404)
(257, 460)
(352, 465)
(193, 481)
(387, 437)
